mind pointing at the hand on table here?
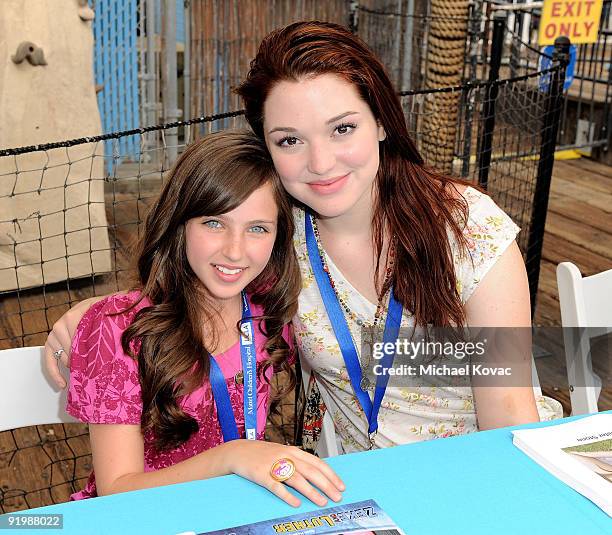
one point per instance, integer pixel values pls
(253, 460)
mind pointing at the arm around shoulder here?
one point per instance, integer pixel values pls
(60, 339)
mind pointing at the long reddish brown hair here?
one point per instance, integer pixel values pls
(414, 204)
(213, 176)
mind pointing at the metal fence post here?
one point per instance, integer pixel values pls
(151, 95)
(545, 166)
(408, 30)
(468, 96)
(169, 79)
(353, 16)
(151, 71)
(187, 63)
(488, 112)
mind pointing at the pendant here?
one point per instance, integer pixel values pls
(365, 383)
(239, 378)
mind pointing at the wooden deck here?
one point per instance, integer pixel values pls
(578, 230)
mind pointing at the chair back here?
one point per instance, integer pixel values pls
(586, 303)
(26, 394)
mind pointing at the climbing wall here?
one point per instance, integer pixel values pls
(52, 216)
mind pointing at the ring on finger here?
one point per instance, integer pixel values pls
(57, 354)
(282, 469)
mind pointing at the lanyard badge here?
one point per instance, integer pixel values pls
(345, 340)
(248, 356)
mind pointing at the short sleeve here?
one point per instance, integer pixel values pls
(489, 232)
(104, 383)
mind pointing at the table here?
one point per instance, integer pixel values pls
(478, 483)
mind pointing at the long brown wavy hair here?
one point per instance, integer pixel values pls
(213, 176)
(414, 203)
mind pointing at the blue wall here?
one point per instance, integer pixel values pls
(116, 67)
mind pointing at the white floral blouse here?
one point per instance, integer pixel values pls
(406, 414)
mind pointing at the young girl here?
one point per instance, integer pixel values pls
(174, 377)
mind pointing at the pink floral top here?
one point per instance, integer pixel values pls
(105, 388)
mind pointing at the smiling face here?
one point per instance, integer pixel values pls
(228, 251)
(323, 139)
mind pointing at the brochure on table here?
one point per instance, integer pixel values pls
(360, 518)
(579, 453)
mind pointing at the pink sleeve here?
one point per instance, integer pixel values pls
(104, 383)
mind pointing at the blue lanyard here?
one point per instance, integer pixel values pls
(248, 356)
(343, 334)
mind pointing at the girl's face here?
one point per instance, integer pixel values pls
(323, 139)
(228, 251)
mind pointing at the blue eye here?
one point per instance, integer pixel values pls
(212, 223)
(345, 128)
(288, 141)
(258, 229)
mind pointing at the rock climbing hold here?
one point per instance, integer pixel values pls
(28, 50)
(85, 12)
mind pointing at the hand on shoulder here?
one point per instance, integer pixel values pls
(59, 340)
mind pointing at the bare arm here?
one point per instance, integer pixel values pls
(118, 459)
(61, 338)
(502, 300)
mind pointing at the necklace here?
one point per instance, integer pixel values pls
(369, 326)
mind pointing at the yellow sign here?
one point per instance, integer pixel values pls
(576, 19)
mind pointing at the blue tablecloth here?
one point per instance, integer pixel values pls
(473, 484)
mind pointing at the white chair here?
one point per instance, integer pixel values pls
(26, 395)
(586, 302)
